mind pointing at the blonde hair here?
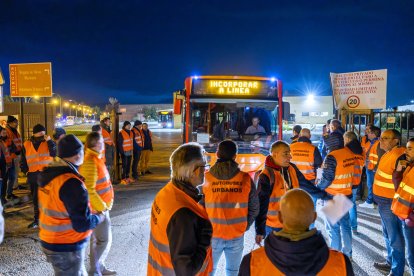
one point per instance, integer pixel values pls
(184, 160)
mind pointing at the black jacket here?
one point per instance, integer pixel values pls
(75, 198)
(296, 258)
(189, 235)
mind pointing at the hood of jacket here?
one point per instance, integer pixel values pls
(334, 141)
(270, 163)
(224, 169)
(355, 147)
(57, 167)
(304, 139)
(303, 257)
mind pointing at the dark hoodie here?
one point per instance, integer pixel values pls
(227, 169)
(296, 258)
(36, 141)
(75, 199)
(265, 189)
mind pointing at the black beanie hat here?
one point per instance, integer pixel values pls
(38, 128)
(137, 123)
(126, 123)
(96, 128)
(57, 132)
(11, 119)
(69, 146)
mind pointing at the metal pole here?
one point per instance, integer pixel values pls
(45, 112)
(21, 119)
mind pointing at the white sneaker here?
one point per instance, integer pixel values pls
(367, 205)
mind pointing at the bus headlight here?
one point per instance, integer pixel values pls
(169, 125)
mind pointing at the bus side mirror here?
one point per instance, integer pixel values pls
(178, 103)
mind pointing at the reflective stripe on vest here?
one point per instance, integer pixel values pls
(260, 264)
(163, 208)
(344, 172)
(303, 156)
(107, 137)
(55, 225)
(383, 185)
(138, 136)
(37, 160)
(403, 202)
(127, 140)
(226, 203)
(279, 188)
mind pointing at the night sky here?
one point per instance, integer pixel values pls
(141, 51)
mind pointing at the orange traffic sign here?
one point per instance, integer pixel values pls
(31, 79)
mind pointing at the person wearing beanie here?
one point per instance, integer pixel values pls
(14, 144)
(225, 185)
(337, 178)
(66, 221)
(58, 134)
(37, 153)
(97, 128)
(138, 146)
(125, 149)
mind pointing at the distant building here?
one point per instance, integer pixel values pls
(310, 110)
(408, 107)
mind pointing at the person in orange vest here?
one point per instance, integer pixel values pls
(372, 155)
(5, 163)
(146, 150)
(232, 204)
(305, 155)
(109, 144)
(278, 176)
(138, 147)
(125, 147)
(66, 221)
(101, 197)
(384, 192)
(352, 143)
(14, 142)
(337, 178)
(37, 153)
(180, 235)
(403, 202)
(296, 250)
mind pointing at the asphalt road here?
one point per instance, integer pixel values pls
(20, 253)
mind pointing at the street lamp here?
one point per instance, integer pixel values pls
(54, 101)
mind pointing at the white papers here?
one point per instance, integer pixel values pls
(336, 208)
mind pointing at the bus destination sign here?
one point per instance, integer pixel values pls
(230, 88)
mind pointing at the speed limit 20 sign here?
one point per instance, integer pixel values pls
(353, 101)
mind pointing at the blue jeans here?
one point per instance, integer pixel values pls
(233, 251)
(340, 235)
(408, 233)
(353, 211)
(67, 263)
(271, 229)
(370, 183)
(394, 238)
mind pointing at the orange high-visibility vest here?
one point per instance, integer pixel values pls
(260, 264)
(103, 184)
(127, 143)
(139, 137)
(6, 152)
(383, 185)
(403, 202)
(365, 144)
(167, 202)
(344, 172)
(37, 160)
(358, 167)
(55, 226)
(226, 203)
(373, 155)
(280, 187)
(107, 137)
(303, 157)
(15, 139)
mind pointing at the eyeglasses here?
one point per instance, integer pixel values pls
(204, 167)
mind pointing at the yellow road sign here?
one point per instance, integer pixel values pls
(31, 79)
(1, 78)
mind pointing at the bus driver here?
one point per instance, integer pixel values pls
(255, 127)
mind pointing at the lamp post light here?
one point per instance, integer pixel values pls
(54, 101)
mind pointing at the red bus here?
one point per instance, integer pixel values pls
(215, 108)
